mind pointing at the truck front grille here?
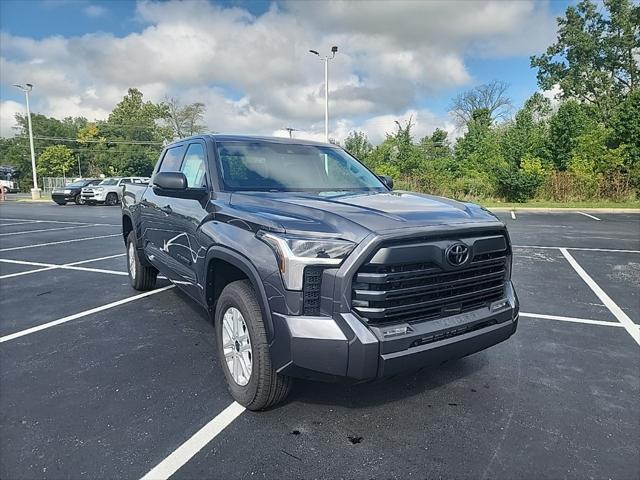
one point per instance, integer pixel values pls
(412, 292)
(311, 290)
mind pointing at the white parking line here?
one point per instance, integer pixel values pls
(59, 242)
(193, 445)
(75, 316)
(587, 215)
(571, 319)
(513, 214)
(53, 266)
(30, 220)
(622, 317)
(47, 230)
(584, 249)
(3, 224)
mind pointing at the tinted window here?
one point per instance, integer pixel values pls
(280, 167)
(172, 159)
(109, 181)
(125, 180)
(194, 166)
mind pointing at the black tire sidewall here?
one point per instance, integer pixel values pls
(111, 196)
(232, 296)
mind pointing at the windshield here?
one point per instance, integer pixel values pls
(266, 166)
(109, 181)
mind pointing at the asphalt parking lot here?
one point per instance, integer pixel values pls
(98, 381)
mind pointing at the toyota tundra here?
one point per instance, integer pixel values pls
(312, 266)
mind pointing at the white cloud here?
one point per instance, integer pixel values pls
(255, 74)
(8, 110)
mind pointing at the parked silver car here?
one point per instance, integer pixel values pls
(109, 191)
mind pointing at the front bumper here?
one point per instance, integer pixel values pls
(326, 348)
(61, 197)
(94, 197)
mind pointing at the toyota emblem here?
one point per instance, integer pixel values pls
(457, 254)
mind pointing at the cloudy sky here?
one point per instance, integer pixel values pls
(249, 61)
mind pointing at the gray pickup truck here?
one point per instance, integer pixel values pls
(314, 267)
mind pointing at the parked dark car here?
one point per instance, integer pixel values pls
(313, 267)
(71, 191)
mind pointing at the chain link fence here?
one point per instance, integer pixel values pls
(49, 183)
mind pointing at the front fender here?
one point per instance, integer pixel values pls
(218, 252)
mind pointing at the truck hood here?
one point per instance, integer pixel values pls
(354, 215)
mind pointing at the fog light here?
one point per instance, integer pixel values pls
(499, 305)
(392, 332)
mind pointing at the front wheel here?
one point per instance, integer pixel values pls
(79, 200)
(61, 203)
(111, 200)
(243, 349)
(141, 277)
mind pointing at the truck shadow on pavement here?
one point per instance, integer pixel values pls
(388, 390)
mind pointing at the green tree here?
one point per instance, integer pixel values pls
(625, 130)
(55, 161)
(478, 128)
(436, 146)
(570, 122)
(526, 134)
(592, 59)
(358, 145)
(184, 120)
(133, 136)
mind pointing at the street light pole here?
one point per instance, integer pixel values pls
(326, 59)
(35, 191)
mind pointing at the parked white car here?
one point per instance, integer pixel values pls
(109, 191)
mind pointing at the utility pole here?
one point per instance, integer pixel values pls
(79, 171)
(35, 191)
(326, 59)
(291, 130)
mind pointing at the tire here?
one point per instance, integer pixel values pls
(90, 203)
(264, 388)
(141, 277)
(111, 200)
(79, 200)
(61, 203)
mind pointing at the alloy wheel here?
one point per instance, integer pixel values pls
(236, 345)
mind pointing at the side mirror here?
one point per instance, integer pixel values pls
(170, 181)
(174, 184)
(387, 180)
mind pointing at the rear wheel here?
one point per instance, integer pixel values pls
(111, 200)
(140, 276)
(243, 349)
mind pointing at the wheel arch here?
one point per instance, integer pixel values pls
(242, 264)
(127, 226)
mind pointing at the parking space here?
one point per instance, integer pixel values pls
(98, 381)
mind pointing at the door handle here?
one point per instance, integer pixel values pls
(167, 209)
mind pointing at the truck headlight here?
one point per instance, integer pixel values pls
(67, 192)
(295, 252)
(99, 189)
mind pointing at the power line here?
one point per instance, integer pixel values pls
(124, 142)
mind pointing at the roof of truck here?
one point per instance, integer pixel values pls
(220, 137)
